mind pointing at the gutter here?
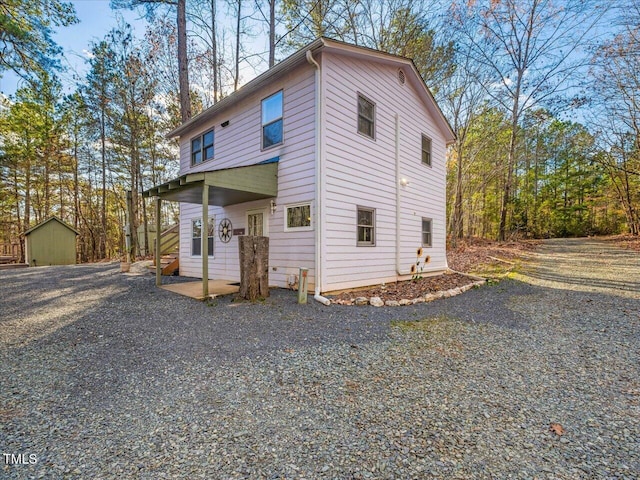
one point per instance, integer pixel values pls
(319, 181)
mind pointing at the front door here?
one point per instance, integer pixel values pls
(257, 223)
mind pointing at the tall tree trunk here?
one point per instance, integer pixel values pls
(102, 243)
(236, 78)
(76, 196)
(183, 68)
(16, 196)
(272, 33)
(511, 160)
(458, 212)
(214, 53)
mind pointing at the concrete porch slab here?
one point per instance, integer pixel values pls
(194, 289)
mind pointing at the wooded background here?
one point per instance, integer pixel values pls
(543, 96)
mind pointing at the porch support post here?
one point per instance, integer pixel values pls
(204, 238)
(157, 252)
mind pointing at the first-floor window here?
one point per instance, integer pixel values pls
(196, 236)
(366, 226)
(298, 217)
(426, 232)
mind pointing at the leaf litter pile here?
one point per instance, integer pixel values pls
(476, 254)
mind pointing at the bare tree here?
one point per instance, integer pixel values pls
(181, 22)
(463, 96)
(616, 116)
(531, 47)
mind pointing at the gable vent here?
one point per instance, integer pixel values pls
(401, 77)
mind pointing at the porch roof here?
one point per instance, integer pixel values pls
(227, 186)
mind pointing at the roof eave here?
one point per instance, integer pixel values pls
(246, 90)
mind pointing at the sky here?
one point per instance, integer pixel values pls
(95, 20)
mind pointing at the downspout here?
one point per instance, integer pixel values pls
(398, 182)
(319, 181)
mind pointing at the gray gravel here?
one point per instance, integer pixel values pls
(106, 376)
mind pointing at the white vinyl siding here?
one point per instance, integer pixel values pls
(345, 264)
(239, 144)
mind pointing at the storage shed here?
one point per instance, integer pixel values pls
(51, 242)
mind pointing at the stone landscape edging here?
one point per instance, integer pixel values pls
(429, 297)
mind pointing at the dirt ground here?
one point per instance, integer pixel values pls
(631, 242)
(482, 257)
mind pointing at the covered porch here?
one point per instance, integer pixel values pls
(221, 188)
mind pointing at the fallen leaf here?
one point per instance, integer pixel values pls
(557, 429)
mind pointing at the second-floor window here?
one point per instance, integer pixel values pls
(272, 120)
(202, 148)
(366, 117)
(426, 150)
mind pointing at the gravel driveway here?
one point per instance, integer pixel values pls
(105, 376)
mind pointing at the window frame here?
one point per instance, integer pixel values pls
(202, 147)
(304, 228)
(429, 232)
(423, 151)
(372, 120)
(212, 238)
(263, 125)
(372, 242)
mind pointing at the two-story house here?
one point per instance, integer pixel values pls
(337, 154)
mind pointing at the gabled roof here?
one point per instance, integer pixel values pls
(298, 58)
(50, 219)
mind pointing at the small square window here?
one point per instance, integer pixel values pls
(366, 117)
(272, 120)
(426, 150)
(426, 232)
(366, 226)
(202, 148)
(298, 217)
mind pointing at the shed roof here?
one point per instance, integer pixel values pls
(50, 219)
(228, 185)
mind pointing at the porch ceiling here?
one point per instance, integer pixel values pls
(227, 186)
